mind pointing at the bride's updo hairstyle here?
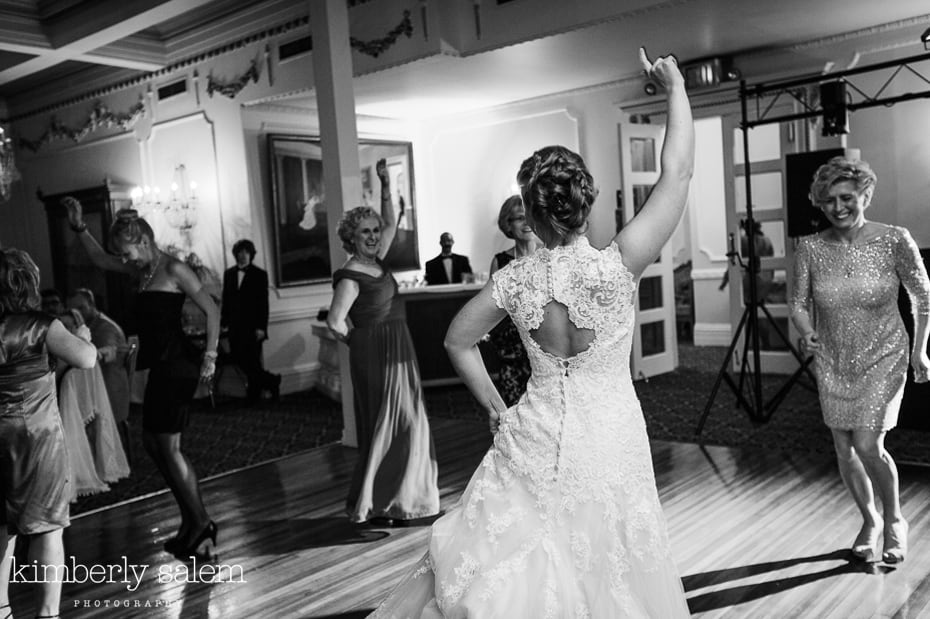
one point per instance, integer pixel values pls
(558, 192)
(128, 228)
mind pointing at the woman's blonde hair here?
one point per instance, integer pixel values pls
(128, 228)
(838, 170)
(19, 282)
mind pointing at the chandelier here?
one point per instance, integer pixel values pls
(8, 171)
(180, 210)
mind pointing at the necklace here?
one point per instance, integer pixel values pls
(847, 263)
(148, 278)
(366, 260)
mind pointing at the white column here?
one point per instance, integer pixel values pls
(332, 79)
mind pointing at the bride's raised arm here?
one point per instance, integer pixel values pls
(642, 239)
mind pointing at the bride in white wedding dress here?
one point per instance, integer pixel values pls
(562, 518)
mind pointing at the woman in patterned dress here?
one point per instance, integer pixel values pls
(846, 281)
(514, 364)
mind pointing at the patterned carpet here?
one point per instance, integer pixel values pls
(233, 436)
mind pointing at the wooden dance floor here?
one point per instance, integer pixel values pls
(755, 535)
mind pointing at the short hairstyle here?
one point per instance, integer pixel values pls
(129, 228)
(349, 224)
(87, 294)
(838, 170)
(558, 191)
(507, 208)
(19, 282)
(245, 244)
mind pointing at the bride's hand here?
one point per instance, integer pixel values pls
(664, 70)
(494, 421)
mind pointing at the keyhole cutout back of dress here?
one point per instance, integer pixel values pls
(558, 336)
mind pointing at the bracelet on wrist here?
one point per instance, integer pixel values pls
(210, 355)
(81, 227)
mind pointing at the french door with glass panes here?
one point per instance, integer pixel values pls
(655, 344)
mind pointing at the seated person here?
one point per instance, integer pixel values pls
(446, 268)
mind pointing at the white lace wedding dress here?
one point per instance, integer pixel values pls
(562, 518)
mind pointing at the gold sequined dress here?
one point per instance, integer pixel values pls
(850, 294)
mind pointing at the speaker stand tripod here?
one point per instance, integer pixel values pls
(750, 378)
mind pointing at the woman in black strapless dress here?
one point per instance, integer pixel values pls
(169, 357)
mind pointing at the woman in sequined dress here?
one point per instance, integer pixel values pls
(514, 364)
(846, 281)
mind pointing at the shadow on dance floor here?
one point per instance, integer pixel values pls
(744, 593)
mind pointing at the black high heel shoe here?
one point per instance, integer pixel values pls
(193, 551)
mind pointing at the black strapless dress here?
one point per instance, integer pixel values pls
(171, 359)
(35, 484)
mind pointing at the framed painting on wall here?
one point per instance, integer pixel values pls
(301, 226)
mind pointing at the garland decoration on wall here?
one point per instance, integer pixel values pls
(101, 117)
(376, 47)
(234, 87)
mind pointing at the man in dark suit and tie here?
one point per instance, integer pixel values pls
(244, 312)
(446, 268)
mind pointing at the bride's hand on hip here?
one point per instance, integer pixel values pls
(494, 421)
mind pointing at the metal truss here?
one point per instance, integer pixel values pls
(766, 96)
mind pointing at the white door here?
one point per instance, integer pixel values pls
(655, 343)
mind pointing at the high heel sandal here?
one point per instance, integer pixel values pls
(895, 542)
(865, 548)
(9, 611)
(193, 551)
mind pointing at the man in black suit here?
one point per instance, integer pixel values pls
(446, 268)
(244, 312)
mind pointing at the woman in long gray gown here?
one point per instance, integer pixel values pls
(395, 478)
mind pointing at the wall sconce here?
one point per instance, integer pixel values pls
(8, 171)
(180, 210)
(925, 39)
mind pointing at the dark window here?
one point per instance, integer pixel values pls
(170, 90)
(294, 48)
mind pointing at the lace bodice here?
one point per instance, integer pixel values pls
(595, 287)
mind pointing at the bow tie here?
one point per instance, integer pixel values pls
(242, 269)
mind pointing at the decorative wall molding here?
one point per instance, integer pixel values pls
(913, 22)
(376, 47)
(101, 117)
(294, 24)
(233, 87)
